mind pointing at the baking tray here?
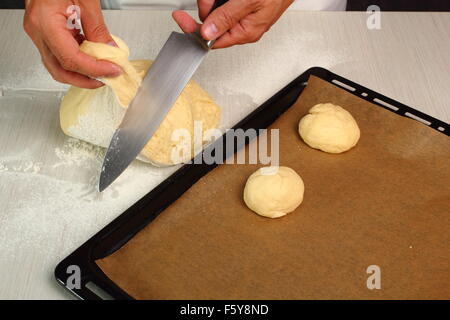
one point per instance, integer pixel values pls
(94, 284)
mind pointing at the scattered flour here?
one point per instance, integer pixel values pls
(47, 210)
(3, 168)
(79, 153)
(98, 125)
(50, 208)
(25, 167)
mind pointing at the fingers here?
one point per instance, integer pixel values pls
(239, 21)
(60, 74)
(253, 26)
(94, 26)
(227, 16)
(66, 49)
(185, 21)
(46, 24)
(248, 30)
(239, 34)
(204, 7)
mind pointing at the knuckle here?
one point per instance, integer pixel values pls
(253, 3)
(67, 63)
(27, 28)
(30, 22)
(250, 36)
(258, 36)
(99, 30)
(227, 18)
(57, 77)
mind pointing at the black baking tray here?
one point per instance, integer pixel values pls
(94, 284)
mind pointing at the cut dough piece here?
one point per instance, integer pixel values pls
(329, 128)
(94, 115)
(274, 192)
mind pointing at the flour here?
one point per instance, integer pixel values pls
(26, 167)
(79, 153)
(97, 126)
(3, 168)
(57, 205)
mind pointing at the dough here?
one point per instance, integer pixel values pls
(329, 128)
(274, 192)
(94, 115)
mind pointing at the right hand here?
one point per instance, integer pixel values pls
(45, 22)
(235, 22)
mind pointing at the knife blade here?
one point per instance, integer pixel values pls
(173, 67)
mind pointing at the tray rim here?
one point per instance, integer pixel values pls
(129, 223)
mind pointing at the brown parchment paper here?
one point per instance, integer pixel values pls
(386, 203)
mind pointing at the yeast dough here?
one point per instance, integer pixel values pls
(93, 115)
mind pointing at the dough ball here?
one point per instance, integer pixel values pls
(329, 128)
(94, 115)
(274, 192)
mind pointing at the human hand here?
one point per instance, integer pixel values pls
(45, 21)
(235, 22)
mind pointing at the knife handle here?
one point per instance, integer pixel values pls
(196, 34)
(216, 4)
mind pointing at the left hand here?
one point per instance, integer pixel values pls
(235, 22)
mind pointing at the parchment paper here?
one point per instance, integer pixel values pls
(386, 203)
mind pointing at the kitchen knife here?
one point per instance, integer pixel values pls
(173, 67)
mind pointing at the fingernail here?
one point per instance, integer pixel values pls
(210, 31)
(112, 43)
(117, 70)
(98, 84)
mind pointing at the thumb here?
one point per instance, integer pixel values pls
(226, 17)
(94, 26)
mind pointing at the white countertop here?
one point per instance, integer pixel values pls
(48, 204)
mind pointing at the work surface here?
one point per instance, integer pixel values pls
(48, 202)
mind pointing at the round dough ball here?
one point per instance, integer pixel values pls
(274, 192)
(329, 128)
